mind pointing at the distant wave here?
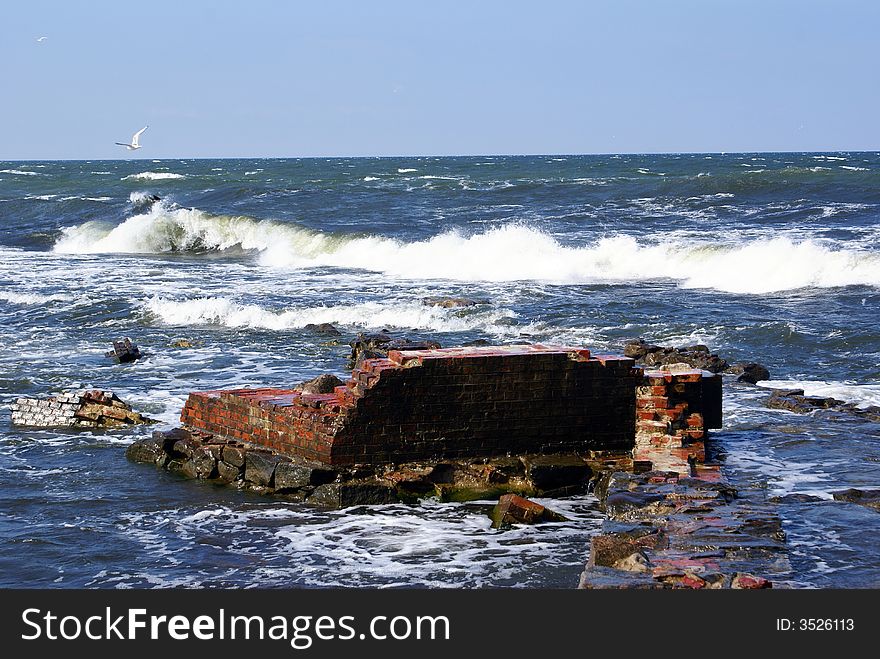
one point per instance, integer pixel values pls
(406, 170)
(229, 313)
(21, 172)
(511, 252)
(152, 176)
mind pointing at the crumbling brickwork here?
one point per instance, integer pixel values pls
(435, 404)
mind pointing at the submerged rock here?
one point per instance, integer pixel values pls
(750, 372)
(451, 302)
(514, 509)
(323, 328)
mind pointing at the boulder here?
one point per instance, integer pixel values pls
(323, 328)
(234, 455)
(867, 498)
(553, 472)
(259, 467)
(295, 475)
(323, 384)
(227, 473)
(353, 493)
(148, 451)
(696, 356)
(375, 346)
(514, 509)
(610, 549)
(750, 372)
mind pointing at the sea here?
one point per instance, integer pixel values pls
(765, 257)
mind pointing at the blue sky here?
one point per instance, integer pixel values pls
(260, 78)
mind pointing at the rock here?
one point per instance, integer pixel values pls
(259, 467)
(609, 549)
(476, 342)
(182, 343)
(124, 351)
(294, 476)
(373, 346)
(514, 509)
(451, 302)
(867, 498)
(751, 372)
(204, 462)
(227, 473)
(748, 581)
(552, 472)
(617, 504)
(323, 328)
(234, 455)
(353, 493)
(148, 451)
(695, 356)
(795, 498)
(635, 562)
(323, 384)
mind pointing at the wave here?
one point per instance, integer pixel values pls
(406, 170)
(861, 395)
(32, 298)
(152, 176)
(227, 312)
(512, 252)
(21, 172)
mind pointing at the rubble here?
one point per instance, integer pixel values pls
(513, 509)
(124, 351)
(84, 409)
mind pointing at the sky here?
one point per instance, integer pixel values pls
(262, 78)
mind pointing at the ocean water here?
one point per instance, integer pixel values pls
(765, 257)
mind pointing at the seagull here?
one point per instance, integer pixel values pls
(134, 140)
(41, 39)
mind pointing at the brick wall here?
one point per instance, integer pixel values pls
(435, 404)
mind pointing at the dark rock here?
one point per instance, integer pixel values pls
(550, 472)
(443, 473)
(227, 473)
(752, 372)
(618, 504)
(184, 448)
(375, 346)
(504, 469)
(204, 461)
(868, 498)
(476, 342)
(696, 356)
(610, 548)
(124, 351)
(353, 493)
(259, 467)
(323, 328)
(451, 302)
(323, 384)
(234, 455)
(795, 498)
(149, 451)
(293, 475)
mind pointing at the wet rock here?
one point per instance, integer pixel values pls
(635, 562)
(514, 509)
(124, 351)
(149, 451)
(182, 343)
(259, 467)
(323, 328)
(352, 493)
(552, 472)
(618, 504)
(227, 473)
(294, 476)
(748, 581)
(609, 549)
(795, 498)
(750, 372)
(204, 462)
(451, 302)
(376, 346)
(695, 356)
(794, 400)
(323, 384)
(234, 455)
(476, 342)
(867, 498)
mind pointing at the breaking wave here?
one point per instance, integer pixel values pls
(862, 395)
(229, 313)
(512, 252)
(152, 176)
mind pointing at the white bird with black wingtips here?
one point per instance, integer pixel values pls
(135, 140)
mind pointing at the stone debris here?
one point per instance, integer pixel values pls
(84, 409)
(226, 461)
(513, 509)
(696, 356)
(323, 384)
(124, 351)
(794, 400)
(377, 346)
(323, 328)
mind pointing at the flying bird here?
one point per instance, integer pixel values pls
(41, 39)
(135, 143)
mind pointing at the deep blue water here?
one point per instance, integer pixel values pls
(765, 257)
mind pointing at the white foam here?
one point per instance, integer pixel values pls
(20, 172)
(32, 298)
(152, 176)
(862, 395)
(854, 169)
(371, 178)
(230, 313)
(406, 170)
(511, 252)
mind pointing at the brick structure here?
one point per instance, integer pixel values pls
(675, 408)
(439, 404)
(82, 409)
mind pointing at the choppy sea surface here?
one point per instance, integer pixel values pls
(766, 257)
